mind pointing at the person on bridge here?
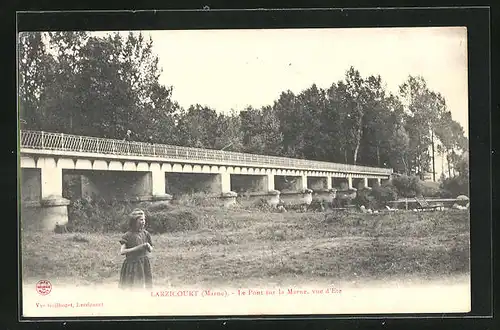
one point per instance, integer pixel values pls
(135, 245)
(128, 136)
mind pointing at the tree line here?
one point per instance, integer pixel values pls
(78, 83)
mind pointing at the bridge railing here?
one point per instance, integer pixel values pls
(67, 142)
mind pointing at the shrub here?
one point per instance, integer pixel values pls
(365, 197)
(196, 199)
(385, 193)
(261, 205)
(71, 183)
(343, 199)
(407, 186)
(101, 216)
(430, 189)
(171, 221)
(85, 215)
(453, 187)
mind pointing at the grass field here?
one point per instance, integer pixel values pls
(245, 247)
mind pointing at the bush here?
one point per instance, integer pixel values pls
(199, 199)
(385, 193)
(453, 187)
(407, 186)
(171, 221)
(86, 215)
(364, 197)
(430, 189)
(101, 216)
(343, 199)
(71, 183)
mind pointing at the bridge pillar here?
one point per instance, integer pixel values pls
(302, 182)
(329, 182)
(349, 182)
(158, 183)
(379, 181)
(225, 179)
(365, 182)
(54, 208)
(228, 196)
(270, 182)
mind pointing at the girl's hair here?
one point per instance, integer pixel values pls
(133, 216)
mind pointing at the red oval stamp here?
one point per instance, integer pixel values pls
(43, 287)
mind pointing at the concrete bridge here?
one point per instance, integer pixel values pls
(142, 171)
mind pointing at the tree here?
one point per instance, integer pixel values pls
(423, 110)
(229, 134)
(162, 114)
(333, 134)
(251, 125)
(271, 135)
(453, 141)
(356, 97)
(290, 116)
(34, 67)
(63, 96)
(376, 123)
(197, 127)
(261, 131)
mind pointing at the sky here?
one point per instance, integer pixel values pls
(232, 69)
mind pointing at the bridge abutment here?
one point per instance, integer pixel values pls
(43, 204)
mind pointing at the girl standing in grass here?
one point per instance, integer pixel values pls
(135, 245)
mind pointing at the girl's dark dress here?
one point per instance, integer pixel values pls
(136, 269)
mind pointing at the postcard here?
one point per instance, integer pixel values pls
(244, 172)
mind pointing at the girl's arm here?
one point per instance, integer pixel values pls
(124, 250)
(150, 242)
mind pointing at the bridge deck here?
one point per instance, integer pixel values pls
(40, 141)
